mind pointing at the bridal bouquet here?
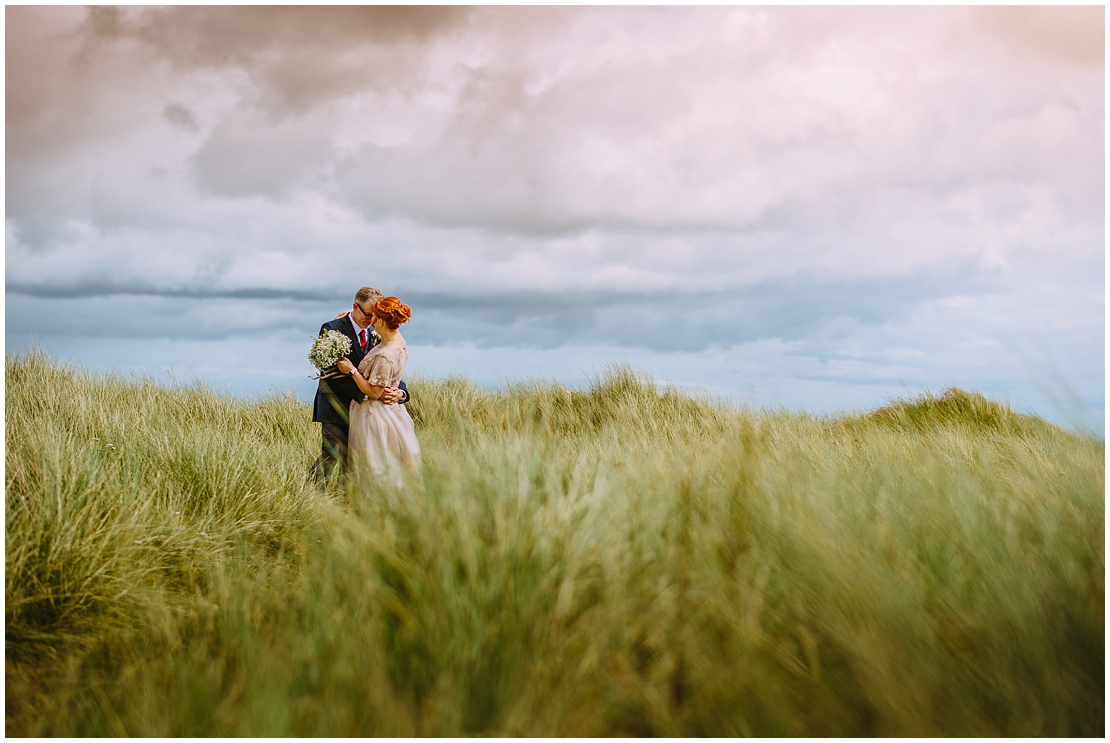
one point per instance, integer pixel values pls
(327, 350)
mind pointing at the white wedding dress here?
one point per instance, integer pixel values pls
(382, 439)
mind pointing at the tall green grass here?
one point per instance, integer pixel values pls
(570, 562)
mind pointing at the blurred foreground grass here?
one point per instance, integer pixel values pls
(596, 562)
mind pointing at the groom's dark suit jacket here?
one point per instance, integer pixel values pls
(333, 396)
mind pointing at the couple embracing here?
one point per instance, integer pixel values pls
(363, 422)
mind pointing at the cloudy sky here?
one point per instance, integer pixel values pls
(818, 208)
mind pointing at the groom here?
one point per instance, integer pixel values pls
(334, 395)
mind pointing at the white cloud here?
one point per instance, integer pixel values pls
(516, 161)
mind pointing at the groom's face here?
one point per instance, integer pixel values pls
(361, 316)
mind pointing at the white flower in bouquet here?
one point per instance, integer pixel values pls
(328, 349)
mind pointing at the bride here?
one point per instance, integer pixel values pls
(382, 438)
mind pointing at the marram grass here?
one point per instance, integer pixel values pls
(570, 563)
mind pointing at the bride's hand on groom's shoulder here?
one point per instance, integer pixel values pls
(341, 314)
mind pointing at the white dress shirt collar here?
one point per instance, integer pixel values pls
(359, 330)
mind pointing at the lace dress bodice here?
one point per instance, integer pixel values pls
(383, 367)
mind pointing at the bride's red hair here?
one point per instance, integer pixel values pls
(392, 311)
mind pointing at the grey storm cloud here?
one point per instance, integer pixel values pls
(681, 321)
(296, 55)
(678, 320)
(181, 116)
(76, 78)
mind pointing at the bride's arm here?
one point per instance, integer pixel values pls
(372, 391)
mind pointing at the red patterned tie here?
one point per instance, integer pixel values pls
(362, 339)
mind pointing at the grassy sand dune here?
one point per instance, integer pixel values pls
(572, 562)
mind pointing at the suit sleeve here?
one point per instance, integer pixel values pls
(343, 384)
(404, 392)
